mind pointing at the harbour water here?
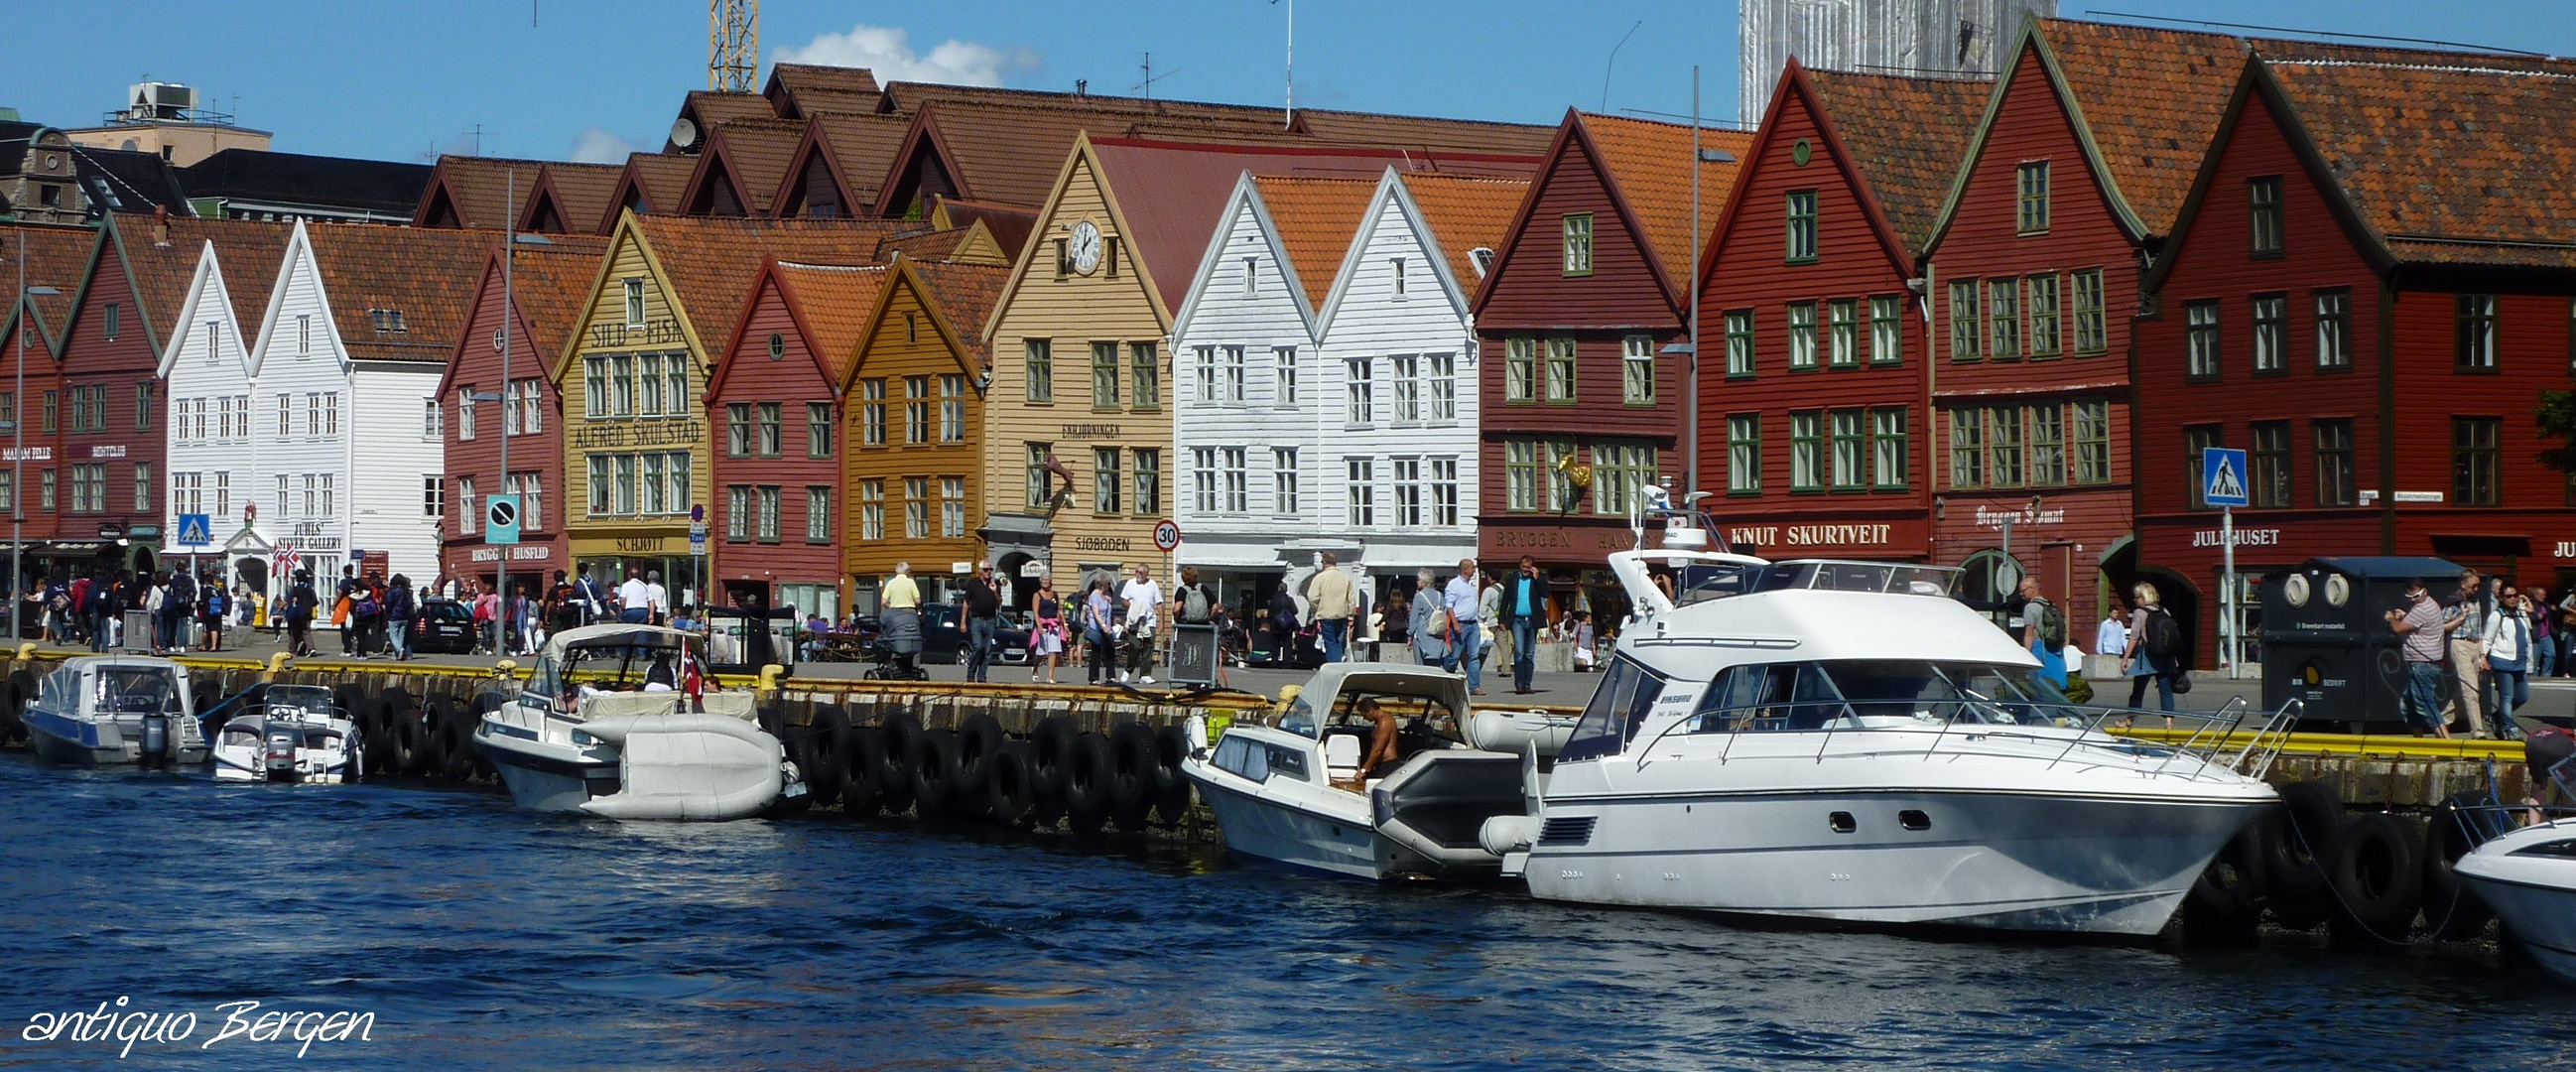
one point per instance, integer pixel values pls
(480, 937)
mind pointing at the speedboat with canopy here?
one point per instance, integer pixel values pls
(285, 733)
(622, 721)
(99, 710)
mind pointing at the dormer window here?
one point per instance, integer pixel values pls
(1483, 258)
(387, 321)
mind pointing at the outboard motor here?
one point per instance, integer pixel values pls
(281, 753)
(156, 737)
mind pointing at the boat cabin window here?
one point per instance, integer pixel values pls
(1256, 761)
(643, 661)
(308, 699)
(1618, 707)
(58, 690)
(1876, 693)
(1894, 578)
(130, 689)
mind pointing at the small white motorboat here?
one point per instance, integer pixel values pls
(287, 733)
(98, 710)
(2528, 877)
(620, 721)
(1293, 793)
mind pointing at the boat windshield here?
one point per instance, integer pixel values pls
(1891, 577)
(1876, 693)
(1414, 712)
(642, 661)
(311, 700)
(134, 689)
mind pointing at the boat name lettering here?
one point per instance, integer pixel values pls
(1100, 543)
(2244, 538)
(1090, 431)
(650, 333)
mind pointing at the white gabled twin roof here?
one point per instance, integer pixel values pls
(1311, 223)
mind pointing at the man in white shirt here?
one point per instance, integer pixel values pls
(657, 600)
(1144, 619)
(1465, 598)
(634, 599)
(2112, 637)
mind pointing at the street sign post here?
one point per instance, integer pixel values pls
(501, 519)
(1167, 536)
(2222, 484)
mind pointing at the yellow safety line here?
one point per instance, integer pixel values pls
(2346, 744)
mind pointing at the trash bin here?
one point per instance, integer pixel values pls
(2326, 639)
(136, 632)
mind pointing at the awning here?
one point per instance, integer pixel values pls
(67, 547)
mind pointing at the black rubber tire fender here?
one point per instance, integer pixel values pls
(398, 700)
(1131, 783)
(2226, 902)
(822, 754)
(1086, 784)
(979, 739)
(863, 766)
(1008, 794)
(410, 751)
(2452, 908)
(22, 691)
(2377, 879)
(2303, 839)
(350, 697)
(1171, 787)
(447, 760)
(1050, 753)
(934, 756)
(901, 729)
(457, 748)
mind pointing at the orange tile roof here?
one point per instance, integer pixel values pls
(928, 247)
(834, 303)
(56, 257)
(1316, 219)
(1907, 135)
(966, 294)
(550, 284)
(758, 151)
(482, 191)
(804, 90)
(865, 147)
(663, 178)
(1652, 162)
(250, 254)
(712, 262)
(582, 192)
(427, 274)
(1464, 214)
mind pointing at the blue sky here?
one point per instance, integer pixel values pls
(404, 79)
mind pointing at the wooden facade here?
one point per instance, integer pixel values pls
(548, 286)
(912, 497)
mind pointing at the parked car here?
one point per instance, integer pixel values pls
(943, 638)
(445, 627)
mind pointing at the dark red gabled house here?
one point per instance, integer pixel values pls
(2368, 289)
(1589, 287)
(1817, 385)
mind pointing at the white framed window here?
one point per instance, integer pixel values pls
(916, 508)
(1283, 480)
(465, 422)
(303, 333)
(599, 484)
(952, 507)
(738, 512)
(621, 385)
(634, 303)
(285, 415)
(1238, 481)
(1408, 491)
(1395, 267)
(648, 485)
(1203, 478)
(223, 494)
(1251, 276)
(1444, 387)
(433, 495)
(330, 507)
(532, 419)
(530, 488)
(1283, 375)
(952, 408)
(1404, 374)
(430, 419)
(467, 517)
(1359, 493)
(1637, 370)
(649, 385)
(1207, 374)
(624, 485)
(769, 512)
(1444, 492)
(594, 384)
(872, 509)
(1360, 395)
(282, 498)
(818, 514)
(1232, 394)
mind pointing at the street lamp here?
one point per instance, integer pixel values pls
(1690, 406)
(18, 445)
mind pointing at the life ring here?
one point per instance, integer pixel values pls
(2226, 902)
(2452, 909)
(1087, 781)
(1131, 782)
(934, 766)
(1171, 787)
(1008, 795)
(894, 770)
(2377, 879)
(979, 739)
(820, 754)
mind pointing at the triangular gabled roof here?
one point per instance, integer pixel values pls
(950, 298)
(1907, 135)
(163, 274)
(1007, 227)
(547, 284)
(1312, 222)
(855, 152)
(707, 109)
(831, 306)
(747, 157)
(417, 273)
(1463, 215)
(570, 198)
(805, 90)
(481, 192)
(651, 185)
(63, 258)
(1635, 153)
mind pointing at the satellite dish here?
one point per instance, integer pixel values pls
(684, 133)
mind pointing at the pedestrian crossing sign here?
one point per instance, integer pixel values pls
(2222, 476)
(195, 530)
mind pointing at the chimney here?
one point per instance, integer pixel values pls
(161, 226)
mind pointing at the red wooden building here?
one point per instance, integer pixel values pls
(1588, 289)
(1817, 385)
(547, 287)
(58, 259)
(2368, 290)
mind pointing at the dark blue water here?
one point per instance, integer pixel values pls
(480, 937)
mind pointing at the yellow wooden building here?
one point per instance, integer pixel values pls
(913, 422)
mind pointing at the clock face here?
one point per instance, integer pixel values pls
(1085, 249)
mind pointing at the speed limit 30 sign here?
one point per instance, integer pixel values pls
(1167, 536)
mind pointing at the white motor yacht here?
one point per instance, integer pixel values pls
(286, 733)
(617, 720)
(1293, 793)
(97, 710)
(2528, 877)
(1844, 742)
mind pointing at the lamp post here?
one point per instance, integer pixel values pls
(1689, 351)
(18, 445)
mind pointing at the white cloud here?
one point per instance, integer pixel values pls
(885, 50)
(598, 146)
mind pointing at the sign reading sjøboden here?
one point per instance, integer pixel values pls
(2222, 476)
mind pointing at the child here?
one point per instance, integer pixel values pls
(1583, 642)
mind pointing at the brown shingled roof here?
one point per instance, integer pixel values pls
(550, 283)
(250, 254)
(712, 263)
(709, 110)
(833, 303)
(752, 154)
(56, 257)
(579, 194)
(1907, 135)
(657, 180)
(1465, 213)
(805, 90)
(476, 191)
(1010, 226)
(927, 246)
(1316, 220)
(1651, 162)
(1313, 126)
(426, 274)
(862, 148)
(966, 294)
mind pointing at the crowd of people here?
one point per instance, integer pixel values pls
(2470, 652)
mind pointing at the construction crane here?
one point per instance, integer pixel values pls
(733, 45)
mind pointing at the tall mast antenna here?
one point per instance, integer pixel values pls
(733, 45)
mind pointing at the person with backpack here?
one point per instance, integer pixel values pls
(301, 602)
(178, 608)
(2044, 631)
(2155, 648)
(212, 607)
(1428, 623)
(402, 607)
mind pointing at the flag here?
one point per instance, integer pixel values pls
(287, 560)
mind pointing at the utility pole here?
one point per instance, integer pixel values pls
(1690, 406)
(509, 252)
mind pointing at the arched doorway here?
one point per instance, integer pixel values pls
(252, 571)
(2182, 599)
(1024, 589)
(1987, 583)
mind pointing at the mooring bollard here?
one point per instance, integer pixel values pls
(769, 675)
(278, 663)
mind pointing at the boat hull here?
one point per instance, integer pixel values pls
(2532, 889)
(83, 743)
(548, 776)
(1272, 832)
(2111, 864)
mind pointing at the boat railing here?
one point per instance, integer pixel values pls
(2217, 739)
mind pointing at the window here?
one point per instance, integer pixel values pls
(916, 410)
(952, 411)
(1359, 404)
(1444, 387)
(1238, 482)
(328, 508)
(89, 488)
(676, 468)
(1578, 243)
(1520, 475)
(2476, 351)
(53, 407)
(2047, 445)
(1520, 370)
(1802, 226)
(2003, 311)
(187, 493)
(142, 488)
(2474, 459)
(1207, 374)
(599, 485)
(2334, 329)
(2200, 329)
(2004, 447)
(1802, 336)
(468, 519)
(48, 484)
(224, 493)
(433, 495)
(1967, 329)
(625, 483)
(676, 395)
(2268, 462)
(1405, 373)
(2334, 463)
(115, 316)
(621, 385)
(2196, 440)
(1560, 370)
(1739, 342)
(2271, 333)
(2091, 331)
(1843, 317)
(1848, 460)
(1806, 451)
(1041, 362)
(1283, 480)
(1251, 277)
(818, 429)
(531, 411)
(1967, 449)
(634, 303)
(1036, 475)
(769, 513)
(532, 500)
(1890, 454)
(737, 429)
(773, 432)
(1886, 344)
(872, 509)
(1283, 375)
(1637, 370)
(1620, 472)
(818, 514)
(2032, 216)
(1203, 478)
(1397, 266)
(650, 386)
(594, 403)
(952, 507)
(2263, 212)
(1359, 493)
(1744, 453)
(2093, 442)
(1408, 492)
(1149, 482)
(1148, 361)
(738, 510)
(1560, 484)
(648, 484)
(1107, 481)
(1104, 375)
(2044, 339)
(143, 405)
(872, 412)
(916, 507)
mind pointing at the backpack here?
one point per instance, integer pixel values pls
(1194, 604)
(399, 604)
(2164, 635)
(215, 602)
(2049, 623)
(183, 588)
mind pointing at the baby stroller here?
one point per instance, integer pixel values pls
(887, 664)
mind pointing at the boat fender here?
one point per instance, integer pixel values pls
(410, 746)
(2303, 838)
(1050, 753)
(895, 767)
(1503, 835)
(690, 766)
(2452, 908)
(1171, 787)
(821, 754)
(1131, 781)
(2227, 899)
(12, 702)
(1007, 792)
(934, 761)
(1086, 783)
(2377, 880)
(862, 771)
(979, 737)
